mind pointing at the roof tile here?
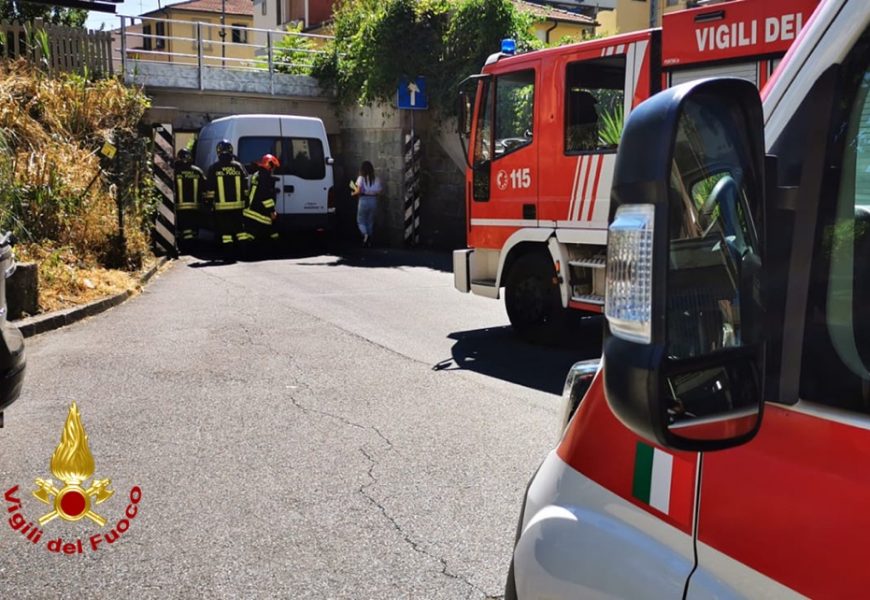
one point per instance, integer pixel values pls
(551, 12)
(233, 7)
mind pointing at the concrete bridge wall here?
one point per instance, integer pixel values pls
(189, 98)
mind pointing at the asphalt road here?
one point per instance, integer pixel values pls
(318, 426)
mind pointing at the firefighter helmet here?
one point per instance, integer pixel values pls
(185, 156)
(269, 161)
(224, 148)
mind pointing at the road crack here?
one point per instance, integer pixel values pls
(406, 537)
(323, 413)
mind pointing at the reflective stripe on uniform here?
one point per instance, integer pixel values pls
(183, 203)
(255, 216)
(253, 191)
(269, 203)
(245, 236)
(274, 236)
(227, 239)
(222, 203)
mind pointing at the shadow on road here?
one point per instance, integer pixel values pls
(386, 258)
(207, 254)
(497, 352)
(324, 251)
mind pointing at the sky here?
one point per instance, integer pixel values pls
(128, 7)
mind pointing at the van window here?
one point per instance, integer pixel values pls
(594, 96)
(835, 368)
(251, 149)
(304, 158)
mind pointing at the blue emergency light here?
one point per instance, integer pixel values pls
(508, 46)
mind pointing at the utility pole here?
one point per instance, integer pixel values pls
(223, 34)
(653, 12)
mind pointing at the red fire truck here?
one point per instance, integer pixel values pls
(541, 130)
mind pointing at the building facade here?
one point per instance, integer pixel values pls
(170, 34)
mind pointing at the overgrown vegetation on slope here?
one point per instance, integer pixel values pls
(59, 196)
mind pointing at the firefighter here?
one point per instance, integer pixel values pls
(189, 184)
(226, 185)
(260, 215)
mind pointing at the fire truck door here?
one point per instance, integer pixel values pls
(594, 91)
(504, 175)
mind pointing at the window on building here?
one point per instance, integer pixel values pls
(208, 33)
(146, 37)
(594, 101)
(279, 16)
(240, 33)
(264, 10)
(160, 35)
(514, 111)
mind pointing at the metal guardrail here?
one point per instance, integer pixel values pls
(204, 45)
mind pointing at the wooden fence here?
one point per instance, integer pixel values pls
(57, 47)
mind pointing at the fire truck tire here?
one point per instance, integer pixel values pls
(533, 300)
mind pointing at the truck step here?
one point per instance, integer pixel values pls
(588, 299)
(591, 262)
(489, 282)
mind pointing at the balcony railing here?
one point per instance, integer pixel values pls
(206, 47)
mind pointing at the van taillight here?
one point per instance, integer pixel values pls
(330, 200)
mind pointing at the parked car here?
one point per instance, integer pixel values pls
(12, 359)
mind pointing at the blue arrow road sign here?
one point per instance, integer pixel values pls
(411, 94)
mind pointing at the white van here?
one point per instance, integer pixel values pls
(304, 195)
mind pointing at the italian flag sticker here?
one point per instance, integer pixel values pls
(664, 482)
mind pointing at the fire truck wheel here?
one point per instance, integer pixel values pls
(532, 299)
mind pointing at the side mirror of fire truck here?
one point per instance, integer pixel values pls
(683, 352)
(465, 114)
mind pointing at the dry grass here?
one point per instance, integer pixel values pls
(51, 129)
(65, 281)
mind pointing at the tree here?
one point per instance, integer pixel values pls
(293, 53)
(17, 10)
(379, 41)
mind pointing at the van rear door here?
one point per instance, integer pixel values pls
(303, 173)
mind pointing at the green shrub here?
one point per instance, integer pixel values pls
(377, 42)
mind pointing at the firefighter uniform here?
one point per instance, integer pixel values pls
(189, 186)
(226, 186)
(260, 215)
